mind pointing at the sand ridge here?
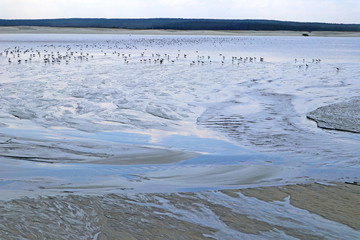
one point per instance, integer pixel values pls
(70, 30)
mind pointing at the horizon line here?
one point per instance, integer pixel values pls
(140, 18)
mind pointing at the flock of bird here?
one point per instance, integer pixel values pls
(20, 55)
(51, 54)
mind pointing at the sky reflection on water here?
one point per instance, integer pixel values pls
(210, 95)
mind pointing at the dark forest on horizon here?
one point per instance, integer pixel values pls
(183, 24)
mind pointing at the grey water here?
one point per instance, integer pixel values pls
(90, 124)
(115, 113)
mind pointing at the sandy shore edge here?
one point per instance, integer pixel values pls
(68, 30)
(192, 215)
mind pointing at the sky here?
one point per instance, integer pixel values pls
(332, 11)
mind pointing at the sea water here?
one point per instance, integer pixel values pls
(239, 103)
(99, 114)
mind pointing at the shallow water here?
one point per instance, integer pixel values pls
(106, 115)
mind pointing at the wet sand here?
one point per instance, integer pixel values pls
(337, 203)
(68, 30)
(312, 211)
(342, 116)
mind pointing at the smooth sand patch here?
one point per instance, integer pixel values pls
(151, 156)
(87, 152)
(70, 30)
(338, 202)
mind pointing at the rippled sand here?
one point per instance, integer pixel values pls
(312, 211)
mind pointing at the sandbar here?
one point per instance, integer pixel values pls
(71, 30)
(342, 116)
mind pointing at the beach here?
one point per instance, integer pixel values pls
(161, 134)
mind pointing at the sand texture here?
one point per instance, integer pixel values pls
(339, 116)
(313, 211)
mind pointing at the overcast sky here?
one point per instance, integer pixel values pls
(337, 11)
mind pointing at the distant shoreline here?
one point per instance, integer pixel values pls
(72, 30)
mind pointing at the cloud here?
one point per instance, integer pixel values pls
(346, 11)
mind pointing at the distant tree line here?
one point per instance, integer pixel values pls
(183, 24)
